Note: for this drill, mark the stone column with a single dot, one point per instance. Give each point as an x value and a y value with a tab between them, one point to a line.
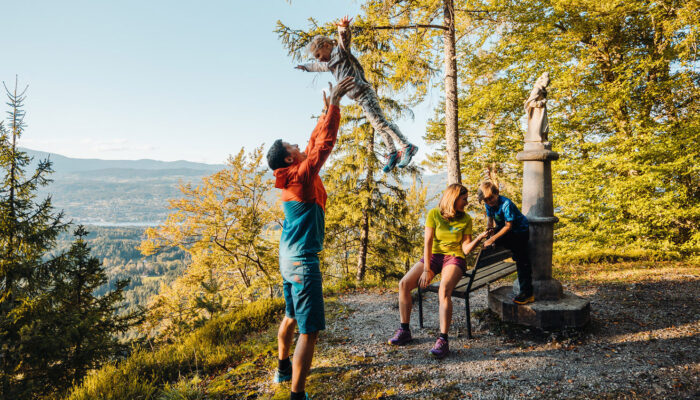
539	210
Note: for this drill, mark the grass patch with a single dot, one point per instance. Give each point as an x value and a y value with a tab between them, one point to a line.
220	343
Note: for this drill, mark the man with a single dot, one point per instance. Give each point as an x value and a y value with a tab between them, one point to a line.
304	202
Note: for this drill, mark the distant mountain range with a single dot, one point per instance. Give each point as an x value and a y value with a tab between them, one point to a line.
63	164
132	192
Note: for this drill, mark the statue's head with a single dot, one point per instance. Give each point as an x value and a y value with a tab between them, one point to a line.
543	80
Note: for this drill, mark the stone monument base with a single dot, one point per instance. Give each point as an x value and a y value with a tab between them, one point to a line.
570	311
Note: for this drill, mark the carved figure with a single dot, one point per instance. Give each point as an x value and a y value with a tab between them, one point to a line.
536	109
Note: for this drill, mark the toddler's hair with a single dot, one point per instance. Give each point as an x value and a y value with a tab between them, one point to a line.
486	189
319	41
448	200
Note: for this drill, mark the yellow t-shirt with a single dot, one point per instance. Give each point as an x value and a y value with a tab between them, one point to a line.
448	234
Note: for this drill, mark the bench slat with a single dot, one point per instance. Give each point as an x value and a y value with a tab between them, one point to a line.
478	283
492	269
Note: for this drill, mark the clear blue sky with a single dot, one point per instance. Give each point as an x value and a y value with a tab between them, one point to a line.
167	80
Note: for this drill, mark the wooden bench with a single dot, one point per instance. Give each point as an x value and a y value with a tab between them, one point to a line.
489	266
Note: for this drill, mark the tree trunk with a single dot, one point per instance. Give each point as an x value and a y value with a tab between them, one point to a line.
364	228
364	240
451	118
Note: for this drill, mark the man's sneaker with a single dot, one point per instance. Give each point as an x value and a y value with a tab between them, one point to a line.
401	337
283	375
408	152
441	348
524	298
392	159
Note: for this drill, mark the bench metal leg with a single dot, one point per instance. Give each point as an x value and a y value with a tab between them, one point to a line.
469	319
420	307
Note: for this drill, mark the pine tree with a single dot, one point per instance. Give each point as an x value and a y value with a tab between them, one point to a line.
83	327
28	231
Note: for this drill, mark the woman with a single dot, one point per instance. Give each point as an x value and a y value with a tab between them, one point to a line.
448	237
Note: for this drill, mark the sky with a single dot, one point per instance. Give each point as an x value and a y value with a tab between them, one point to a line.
167	80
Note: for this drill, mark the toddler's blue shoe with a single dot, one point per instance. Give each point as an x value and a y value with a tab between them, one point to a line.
283	375
393	158
408	152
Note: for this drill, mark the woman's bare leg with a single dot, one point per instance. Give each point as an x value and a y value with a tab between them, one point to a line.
408	283
451	274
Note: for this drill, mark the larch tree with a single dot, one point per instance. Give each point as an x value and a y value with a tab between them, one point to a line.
623	107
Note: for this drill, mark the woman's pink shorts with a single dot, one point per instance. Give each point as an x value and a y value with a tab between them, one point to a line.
438	261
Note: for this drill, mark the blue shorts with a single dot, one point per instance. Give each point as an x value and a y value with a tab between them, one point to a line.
303	292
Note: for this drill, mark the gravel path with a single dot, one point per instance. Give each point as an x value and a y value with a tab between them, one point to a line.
643	342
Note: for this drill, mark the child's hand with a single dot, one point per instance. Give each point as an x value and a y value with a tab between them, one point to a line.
489	242
301	67
345	21
482	235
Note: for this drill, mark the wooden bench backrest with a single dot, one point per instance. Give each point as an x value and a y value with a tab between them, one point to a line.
491	255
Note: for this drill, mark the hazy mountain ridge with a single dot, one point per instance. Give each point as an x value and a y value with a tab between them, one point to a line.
63	164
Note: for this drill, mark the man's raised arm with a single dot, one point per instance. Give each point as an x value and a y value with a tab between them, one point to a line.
326	131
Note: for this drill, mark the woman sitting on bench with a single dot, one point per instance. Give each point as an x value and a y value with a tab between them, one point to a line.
448	237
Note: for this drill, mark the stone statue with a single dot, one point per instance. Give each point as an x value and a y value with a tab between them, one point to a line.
536	109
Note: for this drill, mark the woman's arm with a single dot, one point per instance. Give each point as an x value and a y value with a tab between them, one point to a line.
428	274
468	244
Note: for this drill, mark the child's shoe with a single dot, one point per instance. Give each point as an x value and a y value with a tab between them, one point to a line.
401	337
393	158
441	348
283	375
524	298
408	152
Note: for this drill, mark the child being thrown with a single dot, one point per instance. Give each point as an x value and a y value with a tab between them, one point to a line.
335	56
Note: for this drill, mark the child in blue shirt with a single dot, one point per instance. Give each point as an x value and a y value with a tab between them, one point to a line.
512	231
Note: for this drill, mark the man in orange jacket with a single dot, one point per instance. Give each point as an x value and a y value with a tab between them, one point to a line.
304	203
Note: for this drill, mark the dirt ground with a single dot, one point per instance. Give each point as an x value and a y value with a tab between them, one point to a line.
643	342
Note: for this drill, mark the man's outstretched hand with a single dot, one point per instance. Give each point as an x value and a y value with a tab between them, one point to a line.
337	92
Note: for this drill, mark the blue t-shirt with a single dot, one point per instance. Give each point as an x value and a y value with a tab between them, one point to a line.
505	211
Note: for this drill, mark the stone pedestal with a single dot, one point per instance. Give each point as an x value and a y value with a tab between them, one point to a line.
569	311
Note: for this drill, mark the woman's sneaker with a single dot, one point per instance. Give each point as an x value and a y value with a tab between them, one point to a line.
392	159
401	337
408	152
441	348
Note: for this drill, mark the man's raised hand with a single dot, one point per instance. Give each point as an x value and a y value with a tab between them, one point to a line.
337	92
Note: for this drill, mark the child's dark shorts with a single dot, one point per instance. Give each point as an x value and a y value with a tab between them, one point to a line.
438	261
303	292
